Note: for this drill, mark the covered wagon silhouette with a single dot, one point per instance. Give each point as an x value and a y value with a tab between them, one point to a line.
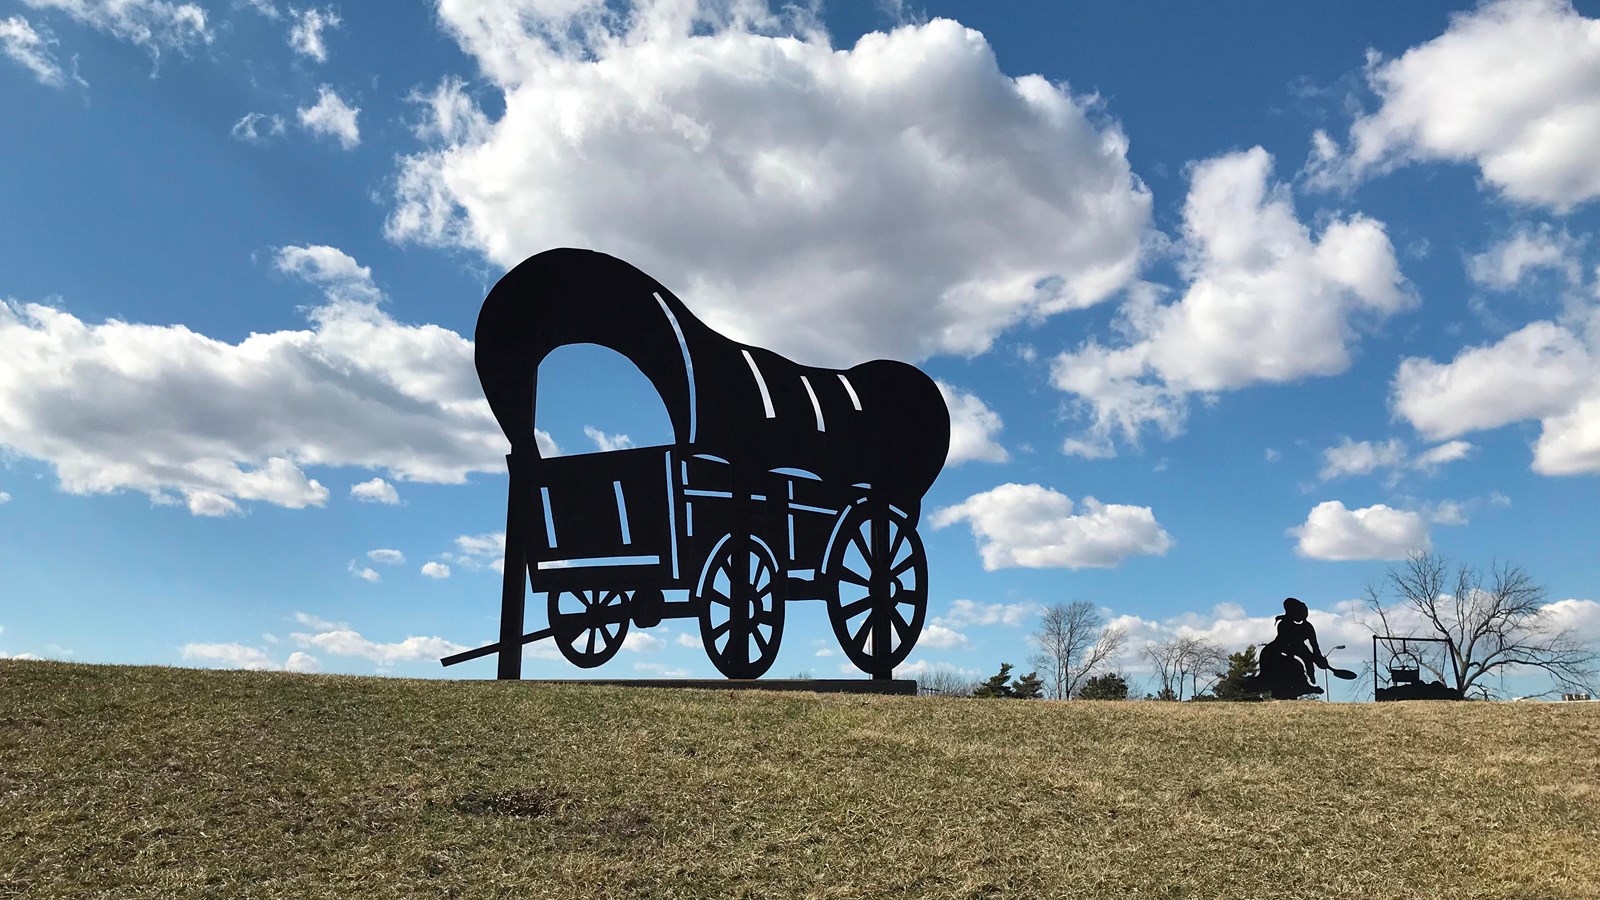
783	482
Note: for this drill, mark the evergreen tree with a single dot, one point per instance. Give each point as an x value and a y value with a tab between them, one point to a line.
1028	687
995	687
1235	685
1109	686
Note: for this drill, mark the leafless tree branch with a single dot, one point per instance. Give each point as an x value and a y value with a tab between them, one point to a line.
1073	642
1494	624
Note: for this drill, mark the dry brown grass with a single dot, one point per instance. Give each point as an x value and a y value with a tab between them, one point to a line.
146	782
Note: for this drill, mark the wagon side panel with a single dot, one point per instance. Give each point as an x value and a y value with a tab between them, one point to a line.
603	520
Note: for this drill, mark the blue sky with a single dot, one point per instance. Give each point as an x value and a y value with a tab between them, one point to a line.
1231	303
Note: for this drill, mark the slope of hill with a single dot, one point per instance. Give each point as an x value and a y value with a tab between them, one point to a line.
148	782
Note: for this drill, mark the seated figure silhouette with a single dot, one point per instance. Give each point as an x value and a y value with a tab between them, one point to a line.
1290	660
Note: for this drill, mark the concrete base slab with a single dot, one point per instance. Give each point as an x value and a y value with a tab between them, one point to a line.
896	686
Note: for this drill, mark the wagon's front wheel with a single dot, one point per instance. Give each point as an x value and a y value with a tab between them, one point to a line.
875	579
588	625
741	607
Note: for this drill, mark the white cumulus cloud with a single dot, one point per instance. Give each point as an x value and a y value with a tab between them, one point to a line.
364	573
1508	87
317	622
375	491
973	428
476	552
1031	526
964	612
1546	371
1579	618
302	662
255	128
941	637
186	418
662	670
387	557
238	656
332	117
1332	532
305	35
436	570
1265	302
345	642
336	271
902	197
242	656
1351	457
920	668
1361	457
155	25
640	642
607	442
1514	258
24	44
1447	452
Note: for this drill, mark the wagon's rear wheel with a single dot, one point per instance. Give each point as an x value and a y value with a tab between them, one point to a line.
588	626
741	607
876	582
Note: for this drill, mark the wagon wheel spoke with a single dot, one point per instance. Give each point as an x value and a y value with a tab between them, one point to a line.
853	609
891	577
863	638
588	624
862	542
743	587
743	642
901	626
895	543
851	575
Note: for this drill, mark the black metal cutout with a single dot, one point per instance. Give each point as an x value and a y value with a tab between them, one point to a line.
1289	662
783	482
1405	670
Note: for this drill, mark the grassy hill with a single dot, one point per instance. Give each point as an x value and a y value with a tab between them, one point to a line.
148	782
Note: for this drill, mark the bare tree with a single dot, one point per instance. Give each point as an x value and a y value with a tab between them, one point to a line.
944	683
1203	659
1164	657
1073	641
1183	661
1492	624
